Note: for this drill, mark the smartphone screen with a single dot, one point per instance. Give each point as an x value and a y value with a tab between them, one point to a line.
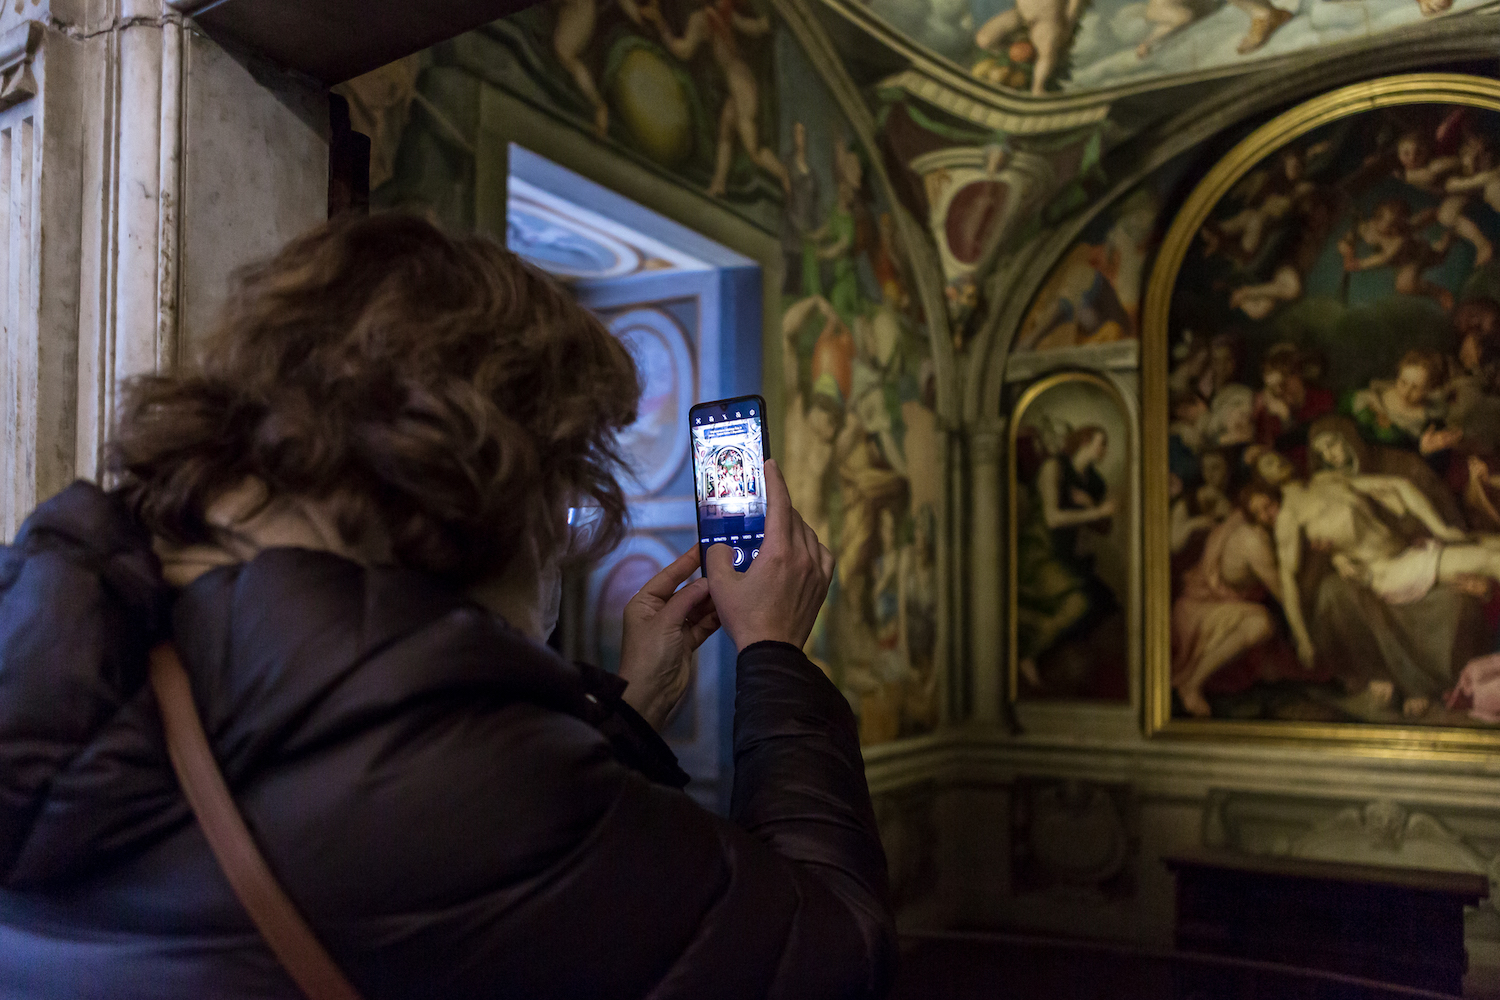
729	449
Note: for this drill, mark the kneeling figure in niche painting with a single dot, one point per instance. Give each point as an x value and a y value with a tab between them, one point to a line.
1058	594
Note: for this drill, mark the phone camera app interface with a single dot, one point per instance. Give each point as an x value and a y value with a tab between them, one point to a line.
728	457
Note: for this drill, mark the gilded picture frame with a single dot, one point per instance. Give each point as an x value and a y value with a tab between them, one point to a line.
1071	623
1367	113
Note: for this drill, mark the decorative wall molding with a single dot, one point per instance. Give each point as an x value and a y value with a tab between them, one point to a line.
17	51
1377	831
1073	837
967	99
1186	771
321	39
1122	355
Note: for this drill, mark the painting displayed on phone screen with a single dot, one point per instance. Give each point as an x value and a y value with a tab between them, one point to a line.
728	466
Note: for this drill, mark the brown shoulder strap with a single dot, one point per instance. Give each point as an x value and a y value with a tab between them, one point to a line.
288	935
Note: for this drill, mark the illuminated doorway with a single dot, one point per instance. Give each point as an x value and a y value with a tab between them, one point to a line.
689	309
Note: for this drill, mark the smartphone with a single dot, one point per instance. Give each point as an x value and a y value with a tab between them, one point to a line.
729	473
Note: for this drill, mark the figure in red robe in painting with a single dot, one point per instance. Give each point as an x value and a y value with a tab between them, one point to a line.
1287	405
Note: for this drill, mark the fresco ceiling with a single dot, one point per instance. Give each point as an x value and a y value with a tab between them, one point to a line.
1060	57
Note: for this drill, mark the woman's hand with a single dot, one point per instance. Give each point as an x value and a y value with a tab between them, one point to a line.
664	626
779	596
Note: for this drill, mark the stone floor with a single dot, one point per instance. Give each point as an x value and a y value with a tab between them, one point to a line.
991	967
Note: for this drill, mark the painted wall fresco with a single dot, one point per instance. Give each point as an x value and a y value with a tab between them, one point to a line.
1094	292
862	450
688	85
684	87
1072	561
1335	430
695	90
1047	46
980	189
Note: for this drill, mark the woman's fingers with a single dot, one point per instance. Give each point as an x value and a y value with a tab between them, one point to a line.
810	542
699	631
670	577
679	607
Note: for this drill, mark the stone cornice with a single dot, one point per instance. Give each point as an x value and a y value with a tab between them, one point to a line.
1182	769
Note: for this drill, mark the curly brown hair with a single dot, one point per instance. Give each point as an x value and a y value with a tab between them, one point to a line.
430	386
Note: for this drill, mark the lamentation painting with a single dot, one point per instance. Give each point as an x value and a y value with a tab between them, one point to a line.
1322	399
1070	530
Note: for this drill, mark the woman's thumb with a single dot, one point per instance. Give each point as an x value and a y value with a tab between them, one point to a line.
720	561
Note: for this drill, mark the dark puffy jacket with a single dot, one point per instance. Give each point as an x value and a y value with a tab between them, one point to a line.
434	791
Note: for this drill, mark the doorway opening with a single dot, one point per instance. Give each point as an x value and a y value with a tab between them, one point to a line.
689	310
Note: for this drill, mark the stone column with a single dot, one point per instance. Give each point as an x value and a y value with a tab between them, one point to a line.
40	151
987	562
140	163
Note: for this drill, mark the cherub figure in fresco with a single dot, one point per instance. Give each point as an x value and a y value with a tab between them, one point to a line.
1478	175
571	35
1393	231
719	23
1452	169
1168	17
1425	161
1268	197
1276	237
1049	23
1478	171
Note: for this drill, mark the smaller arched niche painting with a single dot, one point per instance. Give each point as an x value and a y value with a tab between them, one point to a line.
1070	541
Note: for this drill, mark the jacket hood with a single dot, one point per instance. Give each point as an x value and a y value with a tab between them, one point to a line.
286	653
